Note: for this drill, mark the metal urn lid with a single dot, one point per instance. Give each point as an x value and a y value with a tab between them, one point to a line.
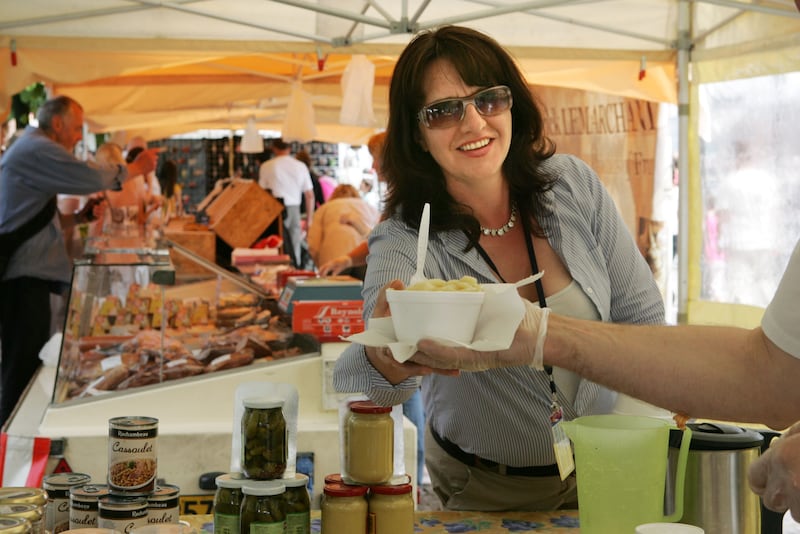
721	437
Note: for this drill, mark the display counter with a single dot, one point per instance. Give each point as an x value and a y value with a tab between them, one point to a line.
445	522
139	342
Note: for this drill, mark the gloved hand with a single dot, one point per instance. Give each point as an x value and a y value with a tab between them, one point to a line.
527	348
775	476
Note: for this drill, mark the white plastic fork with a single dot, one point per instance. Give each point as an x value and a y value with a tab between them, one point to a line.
422	245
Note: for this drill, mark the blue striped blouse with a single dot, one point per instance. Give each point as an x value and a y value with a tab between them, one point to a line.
503	414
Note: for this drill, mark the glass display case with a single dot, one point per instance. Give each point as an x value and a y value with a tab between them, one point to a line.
133	322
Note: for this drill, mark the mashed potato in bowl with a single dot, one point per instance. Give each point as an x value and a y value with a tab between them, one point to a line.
465	283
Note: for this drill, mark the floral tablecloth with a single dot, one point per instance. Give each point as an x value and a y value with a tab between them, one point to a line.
439	522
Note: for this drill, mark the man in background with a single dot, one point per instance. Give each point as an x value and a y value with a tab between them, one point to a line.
37	167
289	180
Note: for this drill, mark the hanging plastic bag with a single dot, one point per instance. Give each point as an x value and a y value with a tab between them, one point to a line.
299	124
358	81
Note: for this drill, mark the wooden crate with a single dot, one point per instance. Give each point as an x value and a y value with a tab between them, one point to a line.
201	242
241	213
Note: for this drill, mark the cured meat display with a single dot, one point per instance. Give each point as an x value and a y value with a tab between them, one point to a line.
148	338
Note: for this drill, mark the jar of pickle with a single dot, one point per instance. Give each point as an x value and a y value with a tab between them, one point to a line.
227	503
264	440
369	443
344	509
263	507
298	505
391	509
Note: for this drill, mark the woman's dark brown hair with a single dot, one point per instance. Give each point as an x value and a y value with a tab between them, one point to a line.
413	176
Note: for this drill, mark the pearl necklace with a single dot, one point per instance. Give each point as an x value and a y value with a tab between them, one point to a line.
497	232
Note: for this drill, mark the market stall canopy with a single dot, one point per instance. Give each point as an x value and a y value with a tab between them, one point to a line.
158	68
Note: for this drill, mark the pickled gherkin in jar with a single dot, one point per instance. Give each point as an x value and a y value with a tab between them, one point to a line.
298	505
264	441
263	508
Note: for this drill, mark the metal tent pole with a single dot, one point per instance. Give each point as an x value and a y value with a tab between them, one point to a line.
684	47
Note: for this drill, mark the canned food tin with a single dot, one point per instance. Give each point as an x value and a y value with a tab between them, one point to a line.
14	525
132	455
31	512
162	505
83	505
122	513
57	487
23	495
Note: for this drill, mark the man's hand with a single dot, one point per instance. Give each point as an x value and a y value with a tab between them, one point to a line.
525	349
775	476
144	163
91	211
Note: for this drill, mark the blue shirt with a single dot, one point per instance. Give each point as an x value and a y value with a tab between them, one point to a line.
503	414
32	171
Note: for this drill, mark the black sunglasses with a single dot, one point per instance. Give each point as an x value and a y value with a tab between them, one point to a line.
451	111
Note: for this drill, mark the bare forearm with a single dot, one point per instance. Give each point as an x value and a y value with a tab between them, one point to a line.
703	371
358	255
309	198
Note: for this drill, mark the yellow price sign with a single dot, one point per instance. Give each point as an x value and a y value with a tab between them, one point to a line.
196	504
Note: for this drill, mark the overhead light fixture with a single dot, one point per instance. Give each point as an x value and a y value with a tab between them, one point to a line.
252	142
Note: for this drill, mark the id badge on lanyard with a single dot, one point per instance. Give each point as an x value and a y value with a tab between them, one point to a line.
561	444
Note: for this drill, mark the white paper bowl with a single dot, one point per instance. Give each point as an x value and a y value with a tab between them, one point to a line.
446	315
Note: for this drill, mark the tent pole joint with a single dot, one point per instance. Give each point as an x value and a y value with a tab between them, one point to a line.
402	26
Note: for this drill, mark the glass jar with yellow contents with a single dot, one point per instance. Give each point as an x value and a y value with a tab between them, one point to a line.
369	443
344	509
391	509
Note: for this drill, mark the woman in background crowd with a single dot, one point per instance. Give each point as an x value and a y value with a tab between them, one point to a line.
171	191
339	225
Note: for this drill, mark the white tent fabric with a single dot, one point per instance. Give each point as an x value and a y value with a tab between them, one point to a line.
204	60
157	68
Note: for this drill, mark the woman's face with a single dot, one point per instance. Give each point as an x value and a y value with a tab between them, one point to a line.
471	152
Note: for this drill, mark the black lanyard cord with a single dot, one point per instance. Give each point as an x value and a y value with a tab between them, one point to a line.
539	287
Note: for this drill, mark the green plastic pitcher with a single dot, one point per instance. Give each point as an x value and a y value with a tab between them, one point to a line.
621	467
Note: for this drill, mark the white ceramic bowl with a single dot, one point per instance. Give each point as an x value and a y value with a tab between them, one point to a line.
447	315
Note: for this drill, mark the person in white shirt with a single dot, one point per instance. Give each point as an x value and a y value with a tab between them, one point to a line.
288	180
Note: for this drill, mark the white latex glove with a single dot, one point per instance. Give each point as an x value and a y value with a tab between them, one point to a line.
526	348
775	476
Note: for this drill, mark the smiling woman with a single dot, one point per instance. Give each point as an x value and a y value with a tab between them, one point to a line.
466	135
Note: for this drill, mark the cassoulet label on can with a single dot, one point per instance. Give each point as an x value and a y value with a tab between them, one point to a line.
132	454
